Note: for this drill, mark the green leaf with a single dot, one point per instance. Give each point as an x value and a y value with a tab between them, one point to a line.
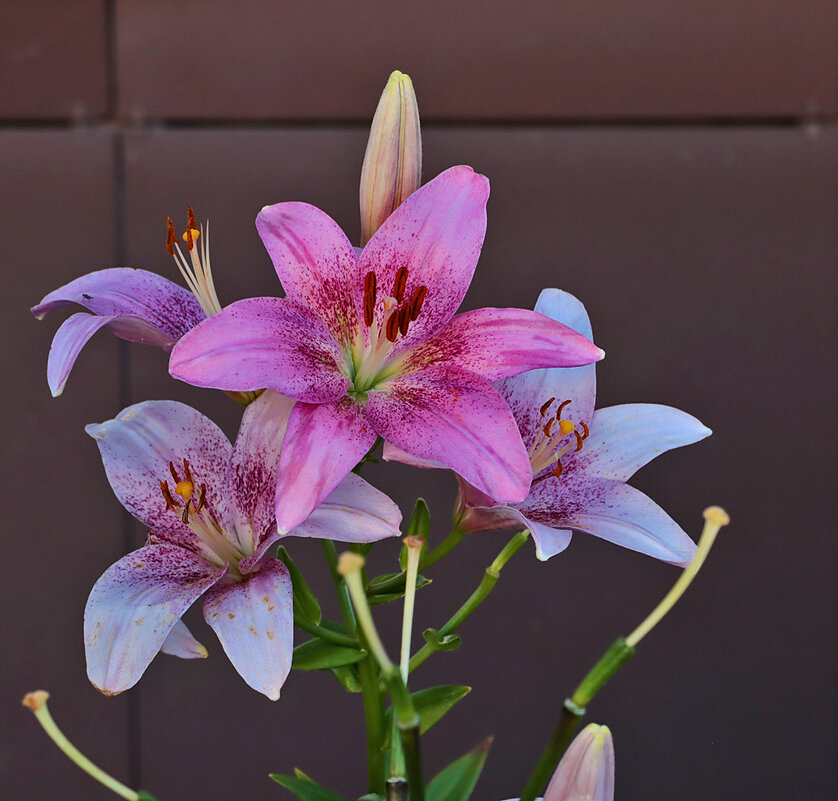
419	526
390	587
347	675
305	788
317	654
300	775
430	705
305	602
142	795
441	642
456	782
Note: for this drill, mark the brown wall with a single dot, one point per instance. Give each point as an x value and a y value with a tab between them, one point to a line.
675	165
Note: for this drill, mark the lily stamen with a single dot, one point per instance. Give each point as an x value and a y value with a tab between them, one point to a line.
196	270
546	448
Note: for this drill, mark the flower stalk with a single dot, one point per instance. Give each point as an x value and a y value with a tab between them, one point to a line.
487	583
614	658
37	702
349	566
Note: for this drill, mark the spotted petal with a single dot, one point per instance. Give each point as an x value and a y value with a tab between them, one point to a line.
624	438
437	234
455	418
254	620
498	343
137	447
180	642
133	609
263	342
611	510
125	291
315	262
526	393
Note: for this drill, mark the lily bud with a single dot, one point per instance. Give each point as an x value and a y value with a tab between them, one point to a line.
392	168
587	768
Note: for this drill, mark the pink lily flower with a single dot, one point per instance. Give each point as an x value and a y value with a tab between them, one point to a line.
208	506
581	459
136	305
369	345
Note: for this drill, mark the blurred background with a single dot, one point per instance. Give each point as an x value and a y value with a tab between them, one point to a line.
675	165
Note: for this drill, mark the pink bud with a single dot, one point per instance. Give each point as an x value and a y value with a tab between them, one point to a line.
586	772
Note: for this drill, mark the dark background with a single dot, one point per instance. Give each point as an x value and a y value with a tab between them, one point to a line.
673	164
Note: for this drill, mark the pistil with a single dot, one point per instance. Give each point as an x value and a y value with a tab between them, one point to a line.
547	449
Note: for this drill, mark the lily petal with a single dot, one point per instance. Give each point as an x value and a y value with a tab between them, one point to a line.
498	343
355	512
315	262
180	642
137	447
133	608
67	343
323	442
251	480
263	342
526	393
624	438
121	291
548	541
254	620
611	510
437	234
450	416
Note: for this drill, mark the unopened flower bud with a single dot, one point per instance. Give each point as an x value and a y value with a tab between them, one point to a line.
587	768
393	162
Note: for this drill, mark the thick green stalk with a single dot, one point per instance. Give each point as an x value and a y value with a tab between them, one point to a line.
368	676
490	578
572	713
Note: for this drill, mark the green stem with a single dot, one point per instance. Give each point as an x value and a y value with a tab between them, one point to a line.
454	538
368	676
490	578
326	634
572	713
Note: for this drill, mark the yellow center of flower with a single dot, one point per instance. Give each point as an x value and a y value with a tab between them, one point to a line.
553	440
216	547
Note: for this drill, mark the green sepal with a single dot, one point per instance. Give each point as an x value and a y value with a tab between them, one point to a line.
143	795
394	584
348	676
305	788
456	782
317	654
430	704
305	602
419	526
441	642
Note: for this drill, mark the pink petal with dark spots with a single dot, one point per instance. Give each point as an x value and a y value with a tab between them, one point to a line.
323	442
437	234
137	447
263	342
449	416
254	620
133	608
314	261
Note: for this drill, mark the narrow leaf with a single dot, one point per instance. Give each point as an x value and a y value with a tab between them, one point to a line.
430	704
305	602
347	675
390	587
317	654
305	788
456	782
419	526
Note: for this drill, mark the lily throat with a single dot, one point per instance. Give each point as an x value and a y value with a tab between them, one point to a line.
556	437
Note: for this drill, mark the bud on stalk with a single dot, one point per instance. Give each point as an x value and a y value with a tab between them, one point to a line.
587	768
392	168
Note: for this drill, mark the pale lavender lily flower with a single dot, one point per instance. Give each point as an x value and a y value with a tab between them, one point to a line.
370	345
581	459
208	506
136	305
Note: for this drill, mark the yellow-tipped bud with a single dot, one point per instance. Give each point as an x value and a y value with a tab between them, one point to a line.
587	768
393	162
